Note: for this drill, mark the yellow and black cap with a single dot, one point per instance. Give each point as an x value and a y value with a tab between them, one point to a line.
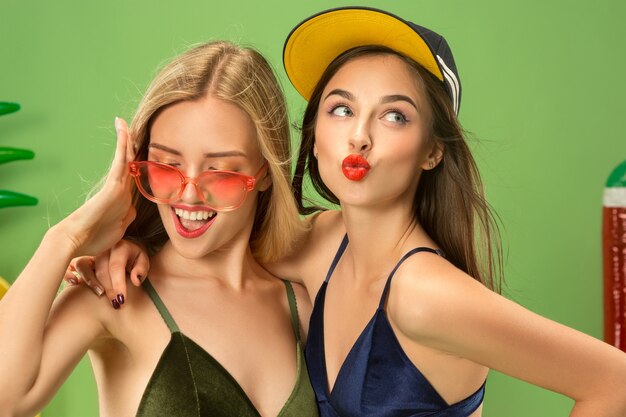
317	41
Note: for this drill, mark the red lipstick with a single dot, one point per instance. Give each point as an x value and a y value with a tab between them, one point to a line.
191	234
355	167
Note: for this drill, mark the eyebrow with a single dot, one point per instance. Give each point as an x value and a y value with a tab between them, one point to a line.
222	154
399	97
386	99
339	92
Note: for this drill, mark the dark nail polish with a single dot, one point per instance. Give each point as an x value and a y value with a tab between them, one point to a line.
115	304
120	298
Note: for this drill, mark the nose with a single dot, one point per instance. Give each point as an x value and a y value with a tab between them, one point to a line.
191	192
360	141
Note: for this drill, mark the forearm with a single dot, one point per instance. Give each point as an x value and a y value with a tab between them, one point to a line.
23	314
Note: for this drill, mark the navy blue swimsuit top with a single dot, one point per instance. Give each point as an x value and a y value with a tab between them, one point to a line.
377	379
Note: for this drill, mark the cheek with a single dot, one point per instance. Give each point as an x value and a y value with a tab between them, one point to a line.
403	161
166	214
327	136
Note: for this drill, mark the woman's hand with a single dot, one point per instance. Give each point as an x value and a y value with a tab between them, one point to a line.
107	272
102	220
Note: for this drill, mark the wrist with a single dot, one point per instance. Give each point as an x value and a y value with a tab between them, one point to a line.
58	237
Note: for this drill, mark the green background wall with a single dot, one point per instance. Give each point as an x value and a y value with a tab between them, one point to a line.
543	99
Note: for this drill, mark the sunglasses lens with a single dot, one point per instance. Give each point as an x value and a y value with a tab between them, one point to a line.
160	181
223	190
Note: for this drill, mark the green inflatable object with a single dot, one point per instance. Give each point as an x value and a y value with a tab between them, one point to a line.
11	199
15	154
6	107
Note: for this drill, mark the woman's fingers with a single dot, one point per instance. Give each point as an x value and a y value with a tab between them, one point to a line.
72	277
81	270
130	146
140	268
116	269
109	271
103	272
118	174
126	257
119	168
102	220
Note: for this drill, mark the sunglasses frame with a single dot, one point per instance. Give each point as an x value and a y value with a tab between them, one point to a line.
248	181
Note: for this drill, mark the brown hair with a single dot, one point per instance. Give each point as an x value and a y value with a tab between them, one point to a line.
449	203
242	76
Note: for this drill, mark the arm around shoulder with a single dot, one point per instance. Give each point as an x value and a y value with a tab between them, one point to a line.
310	252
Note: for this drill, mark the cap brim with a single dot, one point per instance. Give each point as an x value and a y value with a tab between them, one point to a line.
317	41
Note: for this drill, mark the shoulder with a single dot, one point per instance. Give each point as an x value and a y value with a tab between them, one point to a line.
430	298
313	253
329	219
327	232
325	226
79	303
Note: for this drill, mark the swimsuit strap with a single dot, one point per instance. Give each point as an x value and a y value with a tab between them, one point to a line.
293	308
413	251
158	303
342	248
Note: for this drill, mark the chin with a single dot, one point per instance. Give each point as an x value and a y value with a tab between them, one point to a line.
190	249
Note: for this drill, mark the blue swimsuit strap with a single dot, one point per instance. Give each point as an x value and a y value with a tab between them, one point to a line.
383	297
342	248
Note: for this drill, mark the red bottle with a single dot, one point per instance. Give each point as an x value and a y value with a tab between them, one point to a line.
614	257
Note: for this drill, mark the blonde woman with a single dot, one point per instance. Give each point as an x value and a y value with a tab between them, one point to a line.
210	332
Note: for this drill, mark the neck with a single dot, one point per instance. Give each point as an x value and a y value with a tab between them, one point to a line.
231	265
379	237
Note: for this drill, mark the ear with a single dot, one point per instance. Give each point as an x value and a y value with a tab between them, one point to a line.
315	150
265	181
434	156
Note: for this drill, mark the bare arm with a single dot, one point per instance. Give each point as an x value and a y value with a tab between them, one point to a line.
309	262
449	311
37	347
306	265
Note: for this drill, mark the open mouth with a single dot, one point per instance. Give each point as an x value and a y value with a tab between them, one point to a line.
192	223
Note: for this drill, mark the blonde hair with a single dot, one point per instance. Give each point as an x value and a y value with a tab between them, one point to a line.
242	76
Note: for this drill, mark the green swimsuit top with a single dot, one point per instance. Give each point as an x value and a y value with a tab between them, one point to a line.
188	381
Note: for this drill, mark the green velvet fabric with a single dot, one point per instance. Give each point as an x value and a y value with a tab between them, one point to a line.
188	381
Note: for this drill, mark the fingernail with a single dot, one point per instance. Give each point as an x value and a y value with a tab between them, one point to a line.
99	290
115	304
76	274
72	281
120	298
117	124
